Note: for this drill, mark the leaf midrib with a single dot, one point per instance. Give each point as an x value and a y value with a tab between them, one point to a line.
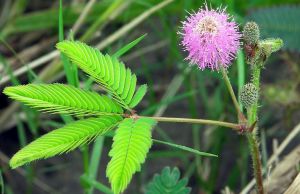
127	150
85	110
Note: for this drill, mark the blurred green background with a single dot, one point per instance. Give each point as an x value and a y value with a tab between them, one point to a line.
29	31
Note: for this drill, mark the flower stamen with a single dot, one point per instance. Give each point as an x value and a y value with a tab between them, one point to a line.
208	25
211	38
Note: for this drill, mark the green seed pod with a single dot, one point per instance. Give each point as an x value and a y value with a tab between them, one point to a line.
251	33
249	95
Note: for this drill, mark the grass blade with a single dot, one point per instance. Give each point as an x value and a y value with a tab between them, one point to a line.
94	161
188	149
241	73
70	69
92	183
127	47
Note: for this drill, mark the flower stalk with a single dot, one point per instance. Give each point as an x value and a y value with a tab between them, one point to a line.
252	111
196	121
233	97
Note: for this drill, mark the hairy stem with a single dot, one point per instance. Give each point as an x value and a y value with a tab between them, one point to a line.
252	135
233	97
256	162
252	112
195	121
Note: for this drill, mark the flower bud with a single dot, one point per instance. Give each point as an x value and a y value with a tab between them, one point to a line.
249	95
251	33
271	45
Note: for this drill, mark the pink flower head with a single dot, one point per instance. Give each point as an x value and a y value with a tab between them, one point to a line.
211	38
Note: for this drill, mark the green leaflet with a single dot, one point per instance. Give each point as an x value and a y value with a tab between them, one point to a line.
64	139
140	93
132	142
111	74
168	183
60	98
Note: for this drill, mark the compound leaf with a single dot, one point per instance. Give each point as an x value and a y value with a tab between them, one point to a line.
64	139
168	183
132	142
107	71
63	99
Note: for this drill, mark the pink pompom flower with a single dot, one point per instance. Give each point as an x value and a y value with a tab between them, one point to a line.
211	38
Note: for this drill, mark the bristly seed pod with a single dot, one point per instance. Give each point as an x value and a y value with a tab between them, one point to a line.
249	95
251	33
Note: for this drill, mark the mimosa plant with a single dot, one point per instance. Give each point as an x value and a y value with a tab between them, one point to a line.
210	37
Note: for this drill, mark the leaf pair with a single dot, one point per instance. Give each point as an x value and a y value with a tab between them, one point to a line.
132	142
133	136
107	71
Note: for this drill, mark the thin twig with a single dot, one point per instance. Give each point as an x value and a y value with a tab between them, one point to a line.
4	13
122	31
145	50
115	8
31	65
171	91
86	10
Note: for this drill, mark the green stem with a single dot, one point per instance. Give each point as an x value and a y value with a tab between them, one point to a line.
85	157
69	68
252	113
95	160
256	162
233	97
195	121
252	135
241	73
